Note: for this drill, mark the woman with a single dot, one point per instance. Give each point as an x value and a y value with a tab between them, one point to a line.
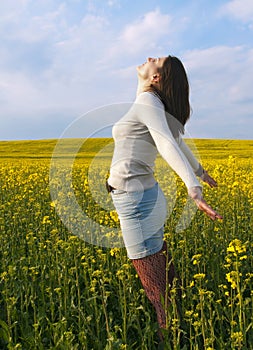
153	124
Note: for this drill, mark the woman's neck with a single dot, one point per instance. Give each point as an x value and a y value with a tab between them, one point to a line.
140	88
144	85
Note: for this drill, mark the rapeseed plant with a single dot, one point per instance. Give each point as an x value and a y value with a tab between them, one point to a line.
58	291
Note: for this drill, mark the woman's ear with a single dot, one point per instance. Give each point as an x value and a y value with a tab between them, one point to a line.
156	78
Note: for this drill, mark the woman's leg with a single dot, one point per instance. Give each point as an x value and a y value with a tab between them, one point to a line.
154	277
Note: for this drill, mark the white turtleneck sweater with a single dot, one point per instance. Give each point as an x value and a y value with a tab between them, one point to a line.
139	135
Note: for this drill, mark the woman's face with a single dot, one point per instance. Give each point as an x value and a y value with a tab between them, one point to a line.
150	67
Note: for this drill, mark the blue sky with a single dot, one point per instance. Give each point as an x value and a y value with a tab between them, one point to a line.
61	59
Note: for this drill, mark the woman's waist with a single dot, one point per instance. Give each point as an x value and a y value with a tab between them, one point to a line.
137	182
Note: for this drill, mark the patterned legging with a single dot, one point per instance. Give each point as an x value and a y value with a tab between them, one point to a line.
152	273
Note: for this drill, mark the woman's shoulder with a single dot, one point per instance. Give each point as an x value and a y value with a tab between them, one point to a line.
149	98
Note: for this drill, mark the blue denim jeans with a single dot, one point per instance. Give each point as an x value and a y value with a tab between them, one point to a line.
142	215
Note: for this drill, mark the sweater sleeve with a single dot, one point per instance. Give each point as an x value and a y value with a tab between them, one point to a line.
196	166
150	112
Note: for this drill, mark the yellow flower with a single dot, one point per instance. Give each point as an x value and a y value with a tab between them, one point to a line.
196	259
244	257
120	274
197	256
236	247
237	338
73	238
46	220
53	204
191	284
97	273
232	278
199	276
114	216
114	251
3	275
188	313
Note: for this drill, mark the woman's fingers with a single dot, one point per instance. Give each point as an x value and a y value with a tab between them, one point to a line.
203	206
211	182
208	179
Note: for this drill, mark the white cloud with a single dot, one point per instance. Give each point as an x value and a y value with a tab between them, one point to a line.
113	3
146	30
222	70
71	50
143	35
221	84
85	52
88	63
239	9
19	92
46	26
75	60
20	22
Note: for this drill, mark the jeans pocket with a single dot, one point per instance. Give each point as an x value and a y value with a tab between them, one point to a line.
115	192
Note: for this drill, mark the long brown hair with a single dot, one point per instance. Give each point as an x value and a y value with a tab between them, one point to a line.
174	92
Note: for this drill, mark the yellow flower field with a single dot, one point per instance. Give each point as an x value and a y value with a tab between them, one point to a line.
60	291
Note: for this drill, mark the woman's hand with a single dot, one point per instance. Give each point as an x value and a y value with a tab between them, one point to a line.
208	179
209	211
196	194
